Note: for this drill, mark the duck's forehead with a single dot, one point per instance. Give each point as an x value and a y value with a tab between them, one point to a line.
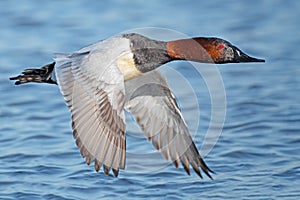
223	42
217	43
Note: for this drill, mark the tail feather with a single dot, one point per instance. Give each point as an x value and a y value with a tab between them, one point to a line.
42	75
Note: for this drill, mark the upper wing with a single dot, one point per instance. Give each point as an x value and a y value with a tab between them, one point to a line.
150	100
95	95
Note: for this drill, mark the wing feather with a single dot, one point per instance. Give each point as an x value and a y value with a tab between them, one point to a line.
96	105
150	100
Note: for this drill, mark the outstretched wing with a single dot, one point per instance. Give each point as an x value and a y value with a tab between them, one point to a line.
95	95
150	100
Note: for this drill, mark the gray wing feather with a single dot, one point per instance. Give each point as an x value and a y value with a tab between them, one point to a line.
96	103
150	100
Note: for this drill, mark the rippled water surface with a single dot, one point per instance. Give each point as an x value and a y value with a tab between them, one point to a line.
257	155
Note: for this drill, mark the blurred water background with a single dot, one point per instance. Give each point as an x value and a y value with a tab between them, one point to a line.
256	157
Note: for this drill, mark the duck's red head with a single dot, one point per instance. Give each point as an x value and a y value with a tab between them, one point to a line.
207	50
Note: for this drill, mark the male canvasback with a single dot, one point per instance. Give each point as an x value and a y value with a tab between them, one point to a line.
101	80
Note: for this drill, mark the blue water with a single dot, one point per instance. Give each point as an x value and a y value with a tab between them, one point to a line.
257	155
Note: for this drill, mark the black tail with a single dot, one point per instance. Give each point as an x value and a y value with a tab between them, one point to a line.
42	75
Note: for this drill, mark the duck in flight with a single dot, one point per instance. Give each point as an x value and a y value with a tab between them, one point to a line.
101	80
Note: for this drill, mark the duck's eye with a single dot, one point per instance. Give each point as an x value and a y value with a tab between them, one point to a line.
220	46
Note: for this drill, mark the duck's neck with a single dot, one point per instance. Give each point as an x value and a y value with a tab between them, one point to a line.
150	54
193	49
